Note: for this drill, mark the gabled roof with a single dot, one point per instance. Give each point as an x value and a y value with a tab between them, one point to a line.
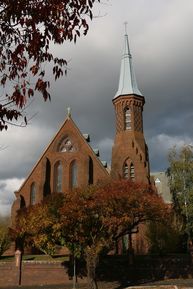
80	135
127	79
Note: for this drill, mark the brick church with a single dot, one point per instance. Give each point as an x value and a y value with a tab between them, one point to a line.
69	161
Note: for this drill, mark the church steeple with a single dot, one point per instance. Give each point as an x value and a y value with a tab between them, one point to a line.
127	80
129	152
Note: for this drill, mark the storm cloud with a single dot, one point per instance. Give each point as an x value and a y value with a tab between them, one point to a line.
161	43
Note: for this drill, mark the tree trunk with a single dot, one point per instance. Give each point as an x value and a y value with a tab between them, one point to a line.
91	263
130	251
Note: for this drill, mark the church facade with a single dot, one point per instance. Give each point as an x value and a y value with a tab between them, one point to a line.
69	161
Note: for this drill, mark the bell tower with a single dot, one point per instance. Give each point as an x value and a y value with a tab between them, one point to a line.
129	152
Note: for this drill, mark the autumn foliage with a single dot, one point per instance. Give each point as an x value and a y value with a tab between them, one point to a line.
106	212
27	29
37	225
96	217
5	240
87	220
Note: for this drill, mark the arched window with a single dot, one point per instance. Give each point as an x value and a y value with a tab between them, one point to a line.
66	145
58	171
128	170
73	174
90	172
46	188
127	118
33	194
132	172
125	171
22	202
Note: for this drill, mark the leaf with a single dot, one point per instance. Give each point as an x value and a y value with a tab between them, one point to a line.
25	46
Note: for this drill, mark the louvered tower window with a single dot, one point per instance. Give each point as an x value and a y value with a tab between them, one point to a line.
132	172
125	171
127	119
58	171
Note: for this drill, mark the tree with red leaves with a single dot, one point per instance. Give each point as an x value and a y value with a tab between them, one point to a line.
96	217
88	220
27	28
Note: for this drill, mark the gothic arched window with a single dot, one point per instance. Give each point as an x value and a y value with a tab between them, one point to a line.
22	202
125	171
127	118
47	172
33	194
58	171
128	170
66	145
132	172
90	172
73	174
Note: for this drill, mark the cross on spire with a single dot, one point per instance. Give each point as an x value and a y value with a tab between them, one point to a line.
125	24
69	111
127	79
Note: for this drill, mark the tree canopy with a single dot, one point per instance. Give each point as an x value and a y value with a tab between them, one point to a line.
96	217
180	174
5	240
113	209
87	220
27	29
37	225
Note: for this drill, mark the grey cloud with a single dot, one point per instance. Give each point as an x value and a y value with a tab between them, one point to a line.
7	188
6	202
2	186
24	146
161	42
160	145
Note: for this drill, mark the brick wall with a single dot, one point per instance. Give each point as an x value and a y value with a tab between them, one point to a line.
8	274
111	268
35	273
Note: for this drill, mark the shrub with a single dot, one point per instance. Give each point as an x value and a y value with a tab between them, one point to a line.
4	235
163	239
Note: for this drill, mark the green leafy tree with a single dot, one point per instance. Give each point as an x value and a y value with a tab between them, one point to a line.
164	237
5	240
180	173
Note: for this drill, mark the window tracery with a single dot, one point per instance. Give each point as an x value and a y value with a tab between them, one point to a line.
128	170
66	145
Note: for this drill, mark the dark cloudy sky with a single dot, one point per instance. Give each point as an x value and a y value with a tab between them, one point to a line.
161	42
